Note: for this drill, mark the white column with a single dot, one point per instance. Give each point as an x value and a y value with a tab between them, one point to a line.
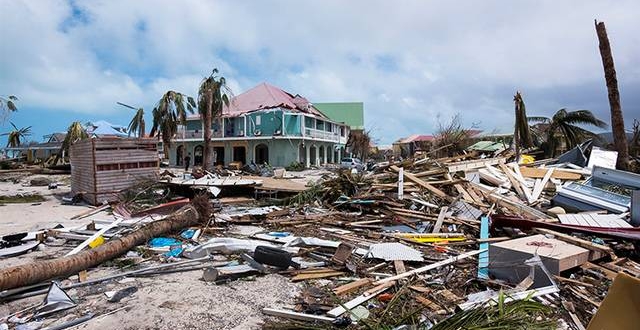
307	159
339	155
324	154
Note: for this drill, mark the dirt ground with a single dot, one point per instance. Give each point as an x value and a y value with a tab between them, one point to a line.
167	301
16	218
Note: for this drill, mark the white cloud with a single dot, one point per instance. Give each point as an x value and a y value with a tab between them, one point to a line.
439	58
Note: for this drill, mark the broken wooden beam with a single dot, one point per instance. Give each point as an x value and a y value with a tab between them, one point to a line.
296	315
421	182
429	267
352	286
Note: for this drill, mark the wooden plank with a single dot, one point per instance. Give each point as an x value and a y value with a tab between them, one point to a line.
429	267
94	236
349	287
296	315
399	266
420	182
302	277
465	195
441	216
539	173
514	182
537	189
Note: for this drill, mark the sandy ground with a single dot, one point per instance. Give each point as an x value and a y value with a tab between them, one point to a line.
167	301
31	217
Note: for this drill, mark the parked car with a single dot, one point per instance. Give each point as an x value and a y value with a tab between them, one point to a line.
352	163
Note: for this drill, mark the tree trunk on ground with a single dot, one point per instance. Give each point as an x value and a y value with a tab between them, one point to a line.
44	270
207	132
617	120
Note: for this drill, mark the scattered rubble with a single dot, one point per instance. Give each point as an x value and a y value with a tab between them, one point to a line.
421	243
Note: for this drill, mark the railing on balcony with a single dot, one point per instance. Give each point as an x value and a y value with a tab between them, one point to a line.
323	135
195	134
188	134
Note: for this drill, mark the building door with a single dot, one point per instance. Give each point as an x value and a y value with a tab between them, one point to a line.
198	155
262	154
218	157
240	155
179	155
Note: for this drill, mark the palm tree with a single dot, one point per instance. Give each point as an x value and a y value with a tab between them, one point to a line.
562	127
137	122
522	133
75	133
212	96
16	136
617	120
168	113
7	105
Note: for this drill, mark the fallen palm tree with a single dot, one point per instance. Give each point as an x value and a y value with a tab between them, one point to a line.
36	272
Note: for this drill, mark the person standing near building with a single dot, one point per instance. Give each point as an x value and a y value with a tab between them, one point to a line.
187	160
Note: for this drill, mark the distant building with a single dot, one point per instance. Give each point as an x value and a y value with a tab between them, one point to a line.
264	125
350	113
408	146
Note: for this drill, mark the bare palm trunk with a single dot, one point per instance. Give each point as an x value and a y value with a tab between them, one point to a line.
44	270
617	121
141	131
207	131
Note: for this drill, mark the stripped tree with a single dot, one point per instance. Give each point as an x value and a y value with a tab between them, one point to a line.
522	132
16	136
212	97
617	120
359	142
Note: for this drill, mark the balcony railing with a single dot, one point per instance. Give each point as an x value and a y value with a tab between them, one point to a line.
195	134
322	135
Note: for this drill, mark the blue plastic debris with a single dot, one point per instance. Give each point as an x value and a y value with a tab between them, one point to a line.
163	241
279	233
175	252
188	233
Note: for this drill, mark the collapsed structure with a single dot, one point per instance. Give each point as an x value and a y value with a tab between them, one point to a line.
439	243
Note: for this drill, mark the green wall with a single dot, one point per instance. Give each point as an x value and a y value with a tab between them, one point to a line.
292	125
268	123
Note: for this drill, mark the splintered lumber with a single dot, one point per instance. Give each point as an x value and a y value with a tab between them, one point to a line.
308	276
430	305
349	287
539	173
296	316
399	266
429	267
90	212
513	180
421	182
438	225
537	189
44	270
94	237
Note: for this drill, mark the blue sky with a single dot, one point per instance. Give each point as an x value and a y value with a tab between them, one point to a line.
412	63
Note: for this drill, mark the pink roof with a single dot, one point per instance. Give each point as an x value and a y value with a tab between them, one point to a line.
266	96
417	138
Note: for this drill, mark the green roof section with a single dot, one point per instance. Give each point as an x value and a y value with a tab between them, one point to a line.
350	113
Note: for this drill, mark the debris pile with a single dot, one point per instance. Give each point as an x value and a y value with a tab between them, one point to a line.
448	243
